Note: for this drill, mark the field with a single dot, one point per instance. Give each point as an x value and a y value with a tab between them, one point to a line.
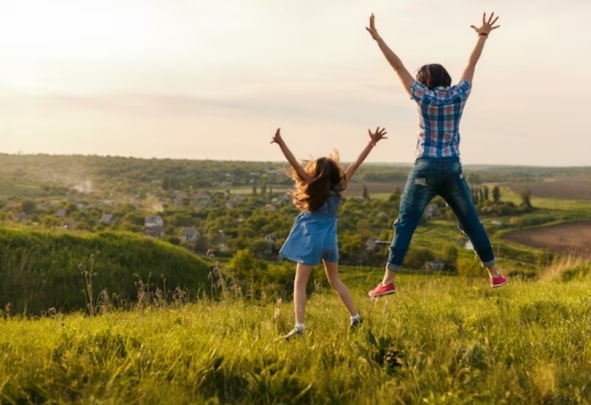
564	188
443	338
570	238
373	188
565	194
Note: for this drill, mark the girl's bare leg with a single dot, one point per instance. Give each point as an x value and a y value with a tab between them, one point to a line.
332	274
302	276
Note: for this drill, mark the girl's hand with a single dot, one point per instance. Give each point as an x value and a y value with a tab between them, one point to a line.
377	135
372	28
487	24
277	137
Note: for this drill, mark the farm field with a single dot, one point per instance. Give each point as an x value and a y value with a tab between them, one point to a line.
566	188
374	188
570	238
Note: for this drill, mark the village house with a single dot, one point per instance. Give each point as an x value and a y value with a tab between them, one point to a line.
189	234
431	211
107	219
435	265
154	226
271	238
60	213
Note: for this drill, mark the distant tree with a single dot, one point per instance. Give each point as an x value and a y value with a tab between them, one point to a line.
28	206
260	247
486	193
245	266
473	178
496	194
450	256
364	192
395	196
166	183
475	196
417	257
525	196
172	239
71	207
363	228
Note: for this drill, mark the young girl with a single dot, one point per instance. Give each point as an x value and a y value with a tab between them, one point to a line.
437	169
313	236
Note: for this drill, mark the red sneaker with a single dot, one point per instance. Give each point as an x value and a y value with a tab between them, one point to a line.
382	289
498	281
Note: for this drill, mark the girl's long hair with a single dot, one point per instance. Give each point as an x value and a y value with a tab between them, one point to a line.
327	175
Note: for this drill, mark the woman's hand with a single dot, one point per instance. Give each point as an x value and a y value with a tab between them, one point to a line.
277	137
487	25
372	28
377	135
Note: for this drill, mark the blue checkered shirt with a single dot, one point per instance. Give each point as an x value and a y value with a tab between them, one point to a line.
440	110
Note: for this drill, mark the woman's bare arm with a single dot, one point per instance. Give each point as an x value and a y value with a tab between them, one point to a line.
483	31
391	57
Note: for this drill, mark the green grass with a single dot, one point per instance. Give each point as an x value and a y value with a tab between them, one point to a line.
548	203
43	269
439	340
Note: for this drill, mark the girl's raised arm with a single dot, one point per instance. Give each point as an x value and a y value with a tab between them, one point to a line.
375	137
483	31
302	174
391	57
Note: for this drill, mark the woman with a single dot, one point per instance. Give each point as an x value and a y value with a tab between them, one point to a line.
437	169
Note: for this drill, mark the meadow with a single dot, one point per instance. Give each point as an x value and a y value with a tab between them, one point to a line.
444	338
441	339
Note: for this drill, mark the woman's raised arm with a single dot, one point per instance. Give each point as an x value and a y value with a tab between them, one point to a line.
391	57
488	24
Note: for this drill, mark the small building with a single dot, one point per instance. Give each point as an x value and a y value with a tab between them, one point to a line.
189	234
107	219
435	265
154	226
431	211
61	213
271	238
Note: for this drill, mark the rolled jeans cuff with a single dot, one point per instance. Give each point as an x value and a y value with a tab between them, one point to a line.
489	263
392	267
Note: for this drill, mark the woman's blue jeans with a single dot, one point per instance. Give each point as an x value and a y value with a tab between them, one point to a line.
430	177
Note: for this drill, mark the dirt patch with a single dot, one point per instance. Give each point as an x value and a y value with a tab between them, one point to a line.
572	238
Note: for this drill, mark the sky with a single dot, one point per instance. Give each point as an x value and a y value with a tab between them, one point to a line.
212	79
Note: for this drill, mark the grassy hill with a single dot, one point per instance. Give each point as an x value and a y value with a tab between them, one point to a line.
61	270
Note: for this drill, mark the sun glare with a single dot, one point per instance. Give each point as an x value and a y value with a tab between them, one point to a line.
41	37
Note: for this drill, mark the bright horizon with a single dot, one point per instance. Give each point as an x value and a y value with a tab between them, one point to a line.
213	80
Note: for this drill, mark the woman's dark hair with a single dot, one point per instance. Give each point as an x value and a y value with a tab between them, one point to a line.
327	176
433	75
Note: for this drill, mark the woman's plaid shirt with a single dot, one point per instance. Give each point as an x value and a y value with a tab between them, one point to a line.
440	110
